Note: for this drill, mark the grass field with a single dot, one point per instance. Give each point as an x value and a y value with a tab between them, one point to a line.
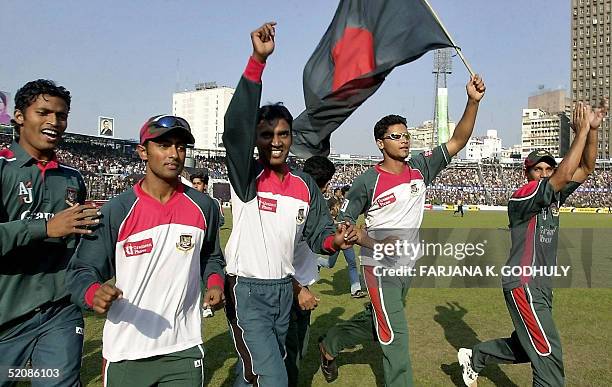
441	320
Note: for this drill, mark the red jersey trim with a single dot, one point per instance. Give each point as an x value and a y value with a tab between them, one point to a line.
328	244
90	292
387	180
292	186
6	153
254	70
527	190
214	280
148	213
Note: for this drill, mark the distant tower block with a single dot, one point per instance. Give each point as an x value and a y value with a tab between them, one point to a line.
443	65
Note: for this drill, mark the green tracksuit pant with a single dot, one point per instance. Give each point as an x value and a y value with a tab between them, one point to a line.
385	320
535	338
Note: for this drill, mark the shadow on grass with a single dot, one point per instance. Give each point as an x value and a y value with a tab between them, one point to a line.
91	368
339	284
370	354
217	351
460	335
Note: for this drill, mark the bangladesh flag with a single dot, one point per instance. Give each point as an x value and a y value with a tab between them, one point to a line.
364	42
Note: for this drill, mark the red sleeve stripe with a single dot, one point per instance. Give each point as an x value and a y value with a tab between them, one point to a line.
383	326
253	70
536	333
528	257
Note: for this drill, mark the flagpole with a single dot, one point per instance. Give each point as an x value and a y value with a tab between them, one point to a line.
457	49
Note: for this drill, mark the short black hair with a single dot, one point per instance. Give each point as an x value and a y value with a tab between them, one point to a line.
31	90
199	175
321	169
383	124
273	112
345	189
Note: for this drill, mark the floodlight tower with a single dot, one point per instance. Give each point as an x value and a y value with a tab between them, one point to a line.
443	65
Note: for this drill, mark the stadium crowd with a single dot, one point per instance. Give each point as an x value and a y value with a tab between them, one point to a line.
109	171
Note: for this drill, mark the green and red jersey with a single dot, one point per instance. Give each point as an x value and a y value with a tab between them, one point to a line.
533	212
33	266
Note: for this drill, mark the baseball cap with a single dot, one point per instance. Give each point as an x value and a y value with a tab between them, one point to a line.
540	155
160	125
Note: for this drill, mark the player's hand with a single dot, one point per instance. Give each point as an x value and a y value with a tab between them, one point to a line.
599	113
104	297
581	118
73	220
306	299
263	41
346	236
214	298
475	88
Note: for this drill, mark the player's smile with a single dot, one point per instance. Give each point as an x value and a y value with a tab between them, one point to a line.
273	142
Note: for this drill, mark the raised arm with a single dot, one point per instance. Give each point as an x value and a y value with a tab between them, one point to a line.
589	154
566	169
475	91
241	116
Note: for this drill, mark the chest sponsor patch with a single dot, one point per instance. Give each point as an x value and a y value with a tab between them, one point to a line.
386	200
138	248
266	204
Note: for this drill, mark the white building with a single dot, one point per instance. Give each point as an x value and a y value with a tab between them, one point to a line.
507	153
542	130
486	147
422	137
204	109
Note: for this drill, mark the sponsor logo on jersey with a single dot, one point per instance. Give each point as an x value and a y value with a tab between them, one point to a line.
138	248
266	204
344	205
197	363
386	200
79	331
185	242
71	196
299	219
25	192
35	215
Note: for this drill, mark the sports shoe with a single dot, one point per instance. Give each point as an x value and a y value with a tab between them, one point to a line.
358	294
465	361
329	369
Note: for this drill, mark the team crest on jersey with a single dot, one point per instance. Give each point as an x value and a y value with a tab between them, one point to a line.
299	219
554	209
25	192
71	196
427	153
414	189
185	242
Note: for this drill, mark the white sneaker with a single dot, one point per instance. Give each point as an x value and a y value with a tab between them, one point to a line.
465	361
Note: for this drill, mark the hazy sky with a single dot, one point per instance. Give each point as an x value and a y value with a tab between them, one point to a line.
124	59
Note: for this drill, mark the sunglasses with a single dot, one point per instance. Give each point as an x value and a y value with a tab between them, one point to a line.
170	122
397	136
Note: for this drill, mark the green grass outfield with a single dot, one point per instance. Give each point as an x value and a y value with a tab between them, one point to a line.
440	320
